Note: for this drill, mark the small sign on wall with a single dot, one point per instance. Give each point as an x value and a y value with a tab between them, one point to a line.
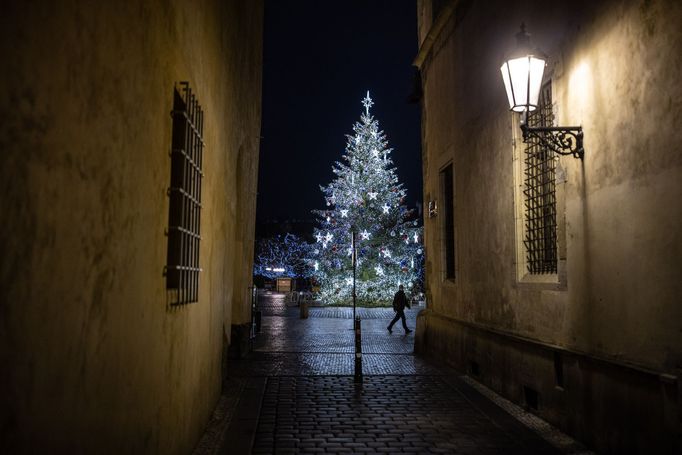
433	209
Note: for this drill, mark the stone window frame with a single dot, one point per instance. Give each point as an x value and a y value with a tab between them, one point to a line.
522	276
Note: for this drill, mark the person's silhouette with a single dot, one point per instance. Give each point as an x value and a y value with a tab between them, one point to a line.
399	304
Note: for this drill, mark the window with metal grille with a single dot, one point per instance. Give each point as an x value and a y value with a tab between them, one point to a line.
540	194
448	223
184	221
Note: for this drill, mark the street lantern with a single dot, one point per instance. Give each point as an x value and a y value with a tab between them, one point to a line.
522	74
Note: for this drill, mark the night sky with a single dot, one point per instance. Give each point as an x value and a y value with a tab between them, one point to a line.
320	58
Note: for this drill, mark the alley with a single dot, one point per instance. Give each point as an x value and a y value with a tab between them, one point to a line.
298	393
517	164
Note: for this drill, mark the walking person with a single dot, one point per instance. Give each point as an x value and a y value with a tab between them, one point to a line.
399	304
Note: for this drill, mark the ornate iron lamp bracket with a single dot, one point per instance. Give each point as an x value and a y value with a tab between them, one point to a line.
564	140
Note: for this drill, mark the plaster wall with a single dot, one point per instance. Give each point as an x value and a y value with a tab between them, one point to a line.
94	360
614	70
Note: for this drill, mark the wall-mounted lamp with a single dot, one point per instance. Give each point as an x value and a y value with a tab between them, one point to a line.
522	74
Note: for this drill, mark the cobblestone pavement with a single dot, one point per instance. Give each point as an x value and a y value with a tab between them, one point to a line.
301	397
388	414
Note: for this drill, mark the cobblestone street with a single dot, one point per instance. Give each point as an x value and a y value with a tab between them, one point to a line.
297	394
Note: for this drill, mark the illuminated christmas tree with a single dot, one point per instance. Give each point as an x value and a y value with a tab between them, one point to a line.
366	197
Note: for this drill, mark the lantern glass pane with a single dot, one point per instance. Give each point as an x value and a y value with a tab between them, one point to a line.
536	69
507	84
518	68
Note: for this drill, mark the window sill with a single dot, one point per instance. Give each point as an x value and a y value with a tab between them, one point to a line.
543	278
448	282
550	281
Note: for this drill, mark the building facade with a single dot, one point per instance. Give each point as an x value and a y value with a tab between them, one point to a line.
551	279
129	137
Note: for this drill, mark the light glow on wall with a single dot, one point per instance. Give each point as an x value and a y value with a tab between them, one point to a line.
581	87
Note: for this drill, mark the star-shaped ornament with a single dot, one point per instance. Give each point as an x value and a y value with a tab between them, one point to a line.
367	102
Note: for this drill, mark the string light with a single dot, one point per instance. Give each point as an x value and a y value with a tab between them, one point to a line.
286	255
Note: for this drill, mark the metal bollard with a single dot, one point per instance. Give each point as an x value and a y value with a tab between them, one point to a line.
258	316
358	351
303	305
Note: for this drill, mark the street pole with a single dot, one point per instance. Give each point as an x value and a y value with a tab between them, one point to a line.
354	259
357	328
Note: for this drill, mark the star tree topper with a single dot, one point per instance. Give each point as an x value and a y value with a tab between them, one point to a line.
367	102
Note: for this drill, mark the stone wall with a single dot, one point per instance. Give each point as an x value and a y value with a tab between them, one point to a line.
614	304
94	359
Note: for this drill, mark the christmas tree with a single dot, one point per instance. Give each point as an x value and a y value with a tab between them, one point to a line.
367	198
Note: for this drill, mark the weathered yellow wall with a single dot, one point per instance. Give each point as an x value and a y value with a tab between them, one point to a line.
615	71
93	358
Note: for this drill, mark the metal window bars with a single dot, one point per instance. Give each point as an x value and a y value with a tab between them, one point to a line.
184	220
540	193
